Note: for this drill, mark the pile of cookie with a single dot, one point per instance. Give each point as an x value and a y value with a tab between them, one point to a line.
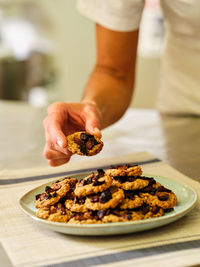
119	194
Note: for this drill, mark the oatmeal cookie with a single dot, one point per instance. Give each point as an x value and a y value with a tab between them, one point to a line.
131	200
84	144
122	216
144	212
55	213
161	197
55	192
76	204
88	217
93	184
107	199
152	212
124	170
132	182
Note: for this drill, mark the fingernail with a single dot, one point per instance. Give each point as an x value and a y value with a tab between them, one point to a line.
97	131
59	142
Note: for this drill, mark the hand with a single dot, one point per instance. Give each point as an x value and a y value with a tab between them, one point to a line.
64	119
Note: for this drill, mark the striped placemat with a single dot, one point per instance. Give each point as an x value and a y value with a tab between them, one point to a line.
26	243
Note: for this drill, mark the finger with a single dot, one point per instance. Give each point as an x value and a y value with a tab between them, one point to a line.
57	162
52	154
92	124
52	150
53	131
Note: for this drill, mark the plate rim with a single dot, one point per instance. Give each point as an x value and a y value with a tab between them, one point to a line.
180	214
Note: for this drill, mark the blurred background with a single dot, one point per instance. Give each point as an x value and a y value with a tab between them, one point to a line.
47	50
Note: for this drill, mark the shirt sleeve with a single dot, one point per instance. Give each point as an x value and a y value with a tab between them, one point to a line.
117	15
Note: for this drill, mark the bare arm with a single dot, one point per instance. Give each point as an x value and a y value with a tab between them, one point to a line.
110	85
105	99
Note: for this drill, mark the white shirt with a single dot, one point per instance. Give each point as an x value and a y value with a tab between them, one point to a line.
180	75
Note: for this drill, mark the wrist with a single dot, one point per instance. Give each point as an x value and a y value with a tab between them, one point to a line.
92	103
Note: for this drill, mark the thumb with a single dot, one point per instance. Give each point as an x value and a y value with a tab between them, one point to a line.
92	122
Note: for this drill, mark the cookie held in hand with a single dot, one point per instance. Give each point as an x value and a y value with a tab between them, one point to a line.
84	144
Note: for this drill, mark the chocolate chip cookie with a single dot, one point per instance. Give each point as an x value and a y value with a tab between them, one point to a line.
132	182
107	199
76	204
161	197
55	192
120	194
88	217
93	184
122	216
131	200
55	213
124	170
84	144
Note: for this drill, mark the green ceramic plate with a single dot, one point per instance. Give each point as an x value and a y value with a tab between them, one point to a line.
187	199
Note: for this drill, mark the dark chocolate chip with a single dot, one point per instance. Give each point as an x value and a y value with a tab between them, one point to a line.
148	189
48	189
131	178
155	209
163	189
82	182
163	196
101	213
54	194
105	196
94	141
48	196
145	209
83	148
89	180
97	182
94	198
81	201
89	144
169	210
127	216
84	137
37	196
100	172
121	179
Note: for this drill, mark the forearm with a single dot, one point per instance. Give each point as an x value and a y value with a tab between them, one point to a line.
111	90
110	85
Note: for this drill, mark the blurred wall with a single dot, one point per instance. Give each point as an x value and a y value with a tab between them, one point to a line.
74	36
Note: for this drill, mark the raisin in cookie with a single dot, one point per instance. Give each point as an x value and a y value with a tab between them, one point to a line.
84	144
93	184
107	199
